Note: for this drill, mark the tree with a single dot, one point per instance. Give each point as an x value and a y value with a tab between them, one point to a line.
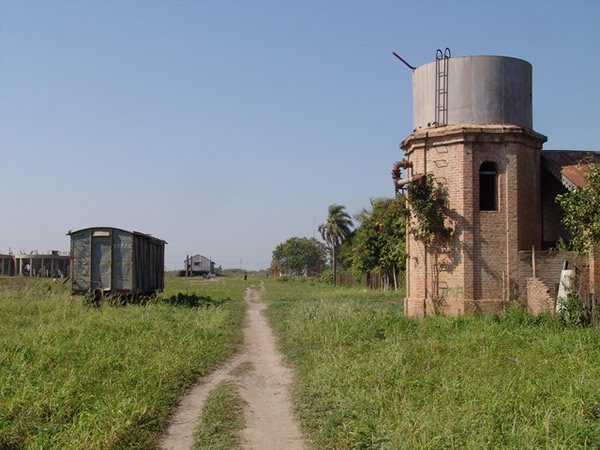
344	254
379	241
428	207
582	211
335	230
429	211
300	256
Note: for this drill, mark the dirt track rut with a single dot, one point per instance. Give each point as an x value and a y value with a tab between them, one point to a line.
264	384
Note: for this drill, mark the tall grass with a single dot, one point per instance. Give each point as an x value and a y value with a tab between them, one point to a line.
369	378
74	376
222	419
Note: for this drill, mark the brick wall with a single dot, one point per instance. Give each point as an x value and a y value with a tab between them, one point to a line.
594	273
539	297
548	265
483	259
548	268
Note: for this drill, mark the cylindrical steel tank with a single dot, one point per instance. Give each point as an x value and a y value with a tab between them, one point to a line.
481	90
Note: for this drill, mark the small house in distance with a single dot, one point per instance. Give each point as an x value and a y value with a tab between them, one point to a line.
110	260
198	265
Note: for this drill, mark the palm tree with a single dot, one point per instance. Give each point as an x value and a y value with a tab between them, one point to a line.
335	230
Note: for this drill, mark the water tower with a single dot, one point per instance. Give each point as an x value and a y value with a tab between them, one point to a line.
472	120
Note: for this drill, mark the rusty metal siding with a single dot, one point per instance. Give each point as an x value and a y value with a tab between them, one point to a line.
81	263
149	263
122	263
101	262
116	261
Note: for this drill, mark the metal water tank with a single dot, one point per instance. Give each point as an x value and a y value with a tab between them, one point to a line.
479	90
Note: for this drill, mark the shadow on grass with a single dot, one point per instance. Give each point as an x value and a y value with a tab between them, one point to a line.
193	300
179	299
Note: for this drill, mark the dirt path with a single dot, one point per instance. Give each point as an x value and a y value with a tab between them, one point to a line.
264	384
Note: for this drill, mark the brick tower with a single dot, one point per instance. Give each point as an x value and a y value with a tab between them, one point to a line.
473	132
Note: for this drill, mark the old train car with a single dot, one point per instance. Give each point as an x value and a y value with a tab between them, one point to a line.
114	261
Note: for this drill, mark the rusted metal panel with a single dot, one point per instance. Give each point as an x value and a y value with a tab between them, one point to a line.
122	262
149	263
81	245
101	261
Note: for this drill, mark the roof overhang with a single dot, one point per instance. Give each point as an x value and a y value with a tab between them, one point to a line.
570	167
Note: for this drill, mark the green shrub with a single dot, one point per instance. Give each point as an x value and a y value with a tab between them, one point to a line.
573	312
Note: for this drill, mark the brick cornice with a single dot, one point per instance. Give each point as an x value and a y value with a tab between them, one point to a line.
452	134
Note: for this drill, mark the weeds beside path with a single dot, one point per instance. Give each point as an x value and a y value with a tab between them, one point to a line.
367	377
263	382
74	377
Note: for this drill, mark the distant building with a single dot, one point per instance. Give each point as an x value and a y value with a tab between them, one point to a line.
198	265
54	264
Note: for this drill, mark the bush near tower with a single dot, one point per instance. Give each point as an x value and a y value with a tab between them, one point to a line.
582	212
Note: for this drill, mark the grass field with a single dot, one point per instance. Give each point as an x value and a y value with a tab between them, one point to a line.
369	378
74	376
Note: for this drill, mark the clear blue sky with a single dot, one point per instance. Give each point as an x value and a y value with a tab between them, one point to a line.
226	127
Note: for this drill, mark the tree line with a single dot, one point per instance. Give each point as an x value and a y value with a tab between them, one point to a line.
371	241
374	239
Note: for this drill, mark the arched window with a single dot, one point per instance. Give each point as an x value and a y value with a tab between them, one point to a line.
488	192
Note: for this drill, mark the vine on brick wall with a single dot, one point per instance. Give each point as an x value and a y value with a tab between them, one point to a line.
428	205
428	208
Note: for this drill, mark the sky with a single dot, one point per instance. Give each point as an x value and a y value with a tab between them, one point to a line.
227	127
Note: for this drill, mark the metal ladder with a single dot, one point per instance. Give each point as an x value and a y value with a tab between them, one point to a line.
441	87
